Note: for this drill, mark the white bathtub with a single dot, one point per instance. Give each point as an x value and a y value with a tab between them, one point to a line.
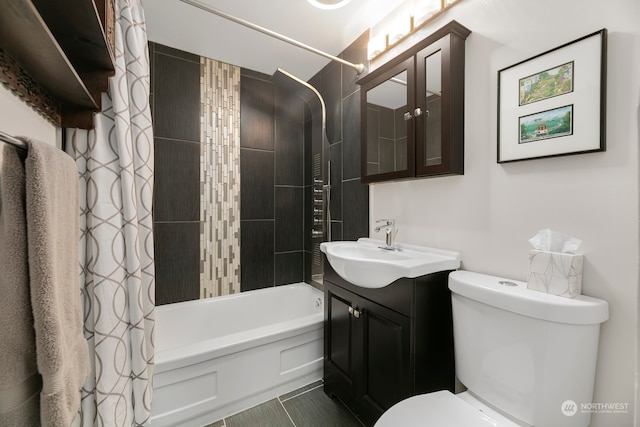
218	356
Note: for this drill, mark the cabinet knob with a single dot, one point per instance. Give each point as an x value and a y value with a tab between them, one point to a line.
354	312
407	116
417	112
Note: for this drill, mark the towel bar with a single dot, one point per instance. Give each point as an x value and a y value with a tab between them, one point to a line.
13	141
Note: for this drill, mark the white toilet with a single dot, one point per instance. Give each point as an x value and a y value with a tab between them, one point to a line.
527	358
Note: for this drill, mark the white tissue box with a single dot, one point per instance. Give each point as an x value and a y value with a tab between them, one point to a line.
555	273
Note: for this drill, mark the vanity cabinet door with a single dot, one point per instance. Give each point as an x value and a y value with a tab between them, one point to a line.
386	369
367	353
340	360
387	127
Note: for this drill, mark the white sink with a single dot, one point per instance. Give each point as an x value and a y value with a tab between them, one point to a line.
364	263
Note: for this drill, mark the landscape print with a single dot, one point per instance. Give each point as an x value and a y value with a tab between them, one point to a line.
546	124
546	84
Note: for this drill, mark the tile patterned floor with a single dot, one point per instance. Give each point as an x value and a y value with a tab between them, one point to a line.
308	406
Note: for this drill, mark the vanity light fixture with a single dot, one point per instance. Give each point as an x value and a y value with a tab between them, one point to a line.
376	45
399	29
329	4
402	22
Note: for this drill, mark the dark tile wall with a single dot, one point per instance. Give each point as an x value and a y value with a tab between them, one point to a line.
257	111
175	103
257	171
272	164
276	136
349	198
257	256
272	183
176	191
177	254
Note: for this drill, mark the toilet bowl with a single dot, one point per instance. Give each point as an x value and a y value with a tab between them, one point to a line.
443	409
505	337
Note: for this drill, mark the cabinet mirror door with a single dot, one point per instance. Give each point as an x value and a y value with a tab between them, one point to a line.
433	110
432	151
440	95
388	125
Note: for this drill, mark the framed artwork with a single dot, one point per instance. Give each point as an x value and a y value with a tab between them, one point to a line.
554	103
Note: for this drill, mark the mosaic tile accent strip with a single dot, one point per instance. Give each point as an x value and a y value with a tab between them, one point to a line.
219	179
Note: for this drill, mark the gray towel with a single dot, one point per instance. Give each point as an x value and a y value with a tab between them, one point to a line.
52	230
20	381
51	195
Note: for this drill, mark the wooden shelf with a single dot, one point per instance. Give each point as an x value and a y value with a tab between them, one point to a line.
61	45
79	31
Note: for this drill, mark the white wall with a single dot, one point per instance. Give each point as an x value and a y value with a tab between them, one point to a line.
489	213
17	118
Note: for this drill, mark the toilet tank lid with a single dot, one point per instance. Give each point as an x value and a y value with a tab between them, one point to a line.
580	310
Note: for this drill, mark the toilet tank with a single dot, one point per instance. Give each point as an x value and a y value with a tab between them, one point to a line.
529	354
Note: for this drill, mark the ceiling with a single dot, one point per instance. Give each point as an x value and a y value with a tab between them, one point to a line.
182	26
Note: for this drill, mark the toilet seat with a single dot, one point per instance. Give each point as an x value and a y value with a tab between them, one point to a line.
440	409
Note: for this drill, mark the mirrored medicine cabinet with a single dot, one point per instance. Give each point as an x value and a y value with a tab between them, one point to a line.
412	110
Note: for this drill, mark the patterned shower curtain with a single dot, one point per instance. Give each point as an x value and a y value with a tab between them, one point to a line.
115	165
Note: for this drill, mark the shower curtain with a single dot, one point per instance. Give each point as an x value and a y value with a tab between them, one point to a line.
115	165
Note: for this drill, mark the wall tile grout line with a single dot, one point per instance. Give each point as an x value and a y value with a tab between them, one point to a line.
177	222
260	150
168	138
351	179
193	61
291	186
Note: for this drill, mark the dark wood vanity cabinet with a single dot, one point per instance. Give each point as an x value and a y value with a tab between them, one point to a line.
384	345
412	110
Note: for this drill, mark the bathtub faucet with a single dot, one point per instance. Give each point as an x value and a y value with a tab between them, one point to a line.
390	230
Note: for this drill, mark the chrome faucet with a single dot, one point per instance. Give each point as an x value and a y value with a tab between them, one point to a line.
389	226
